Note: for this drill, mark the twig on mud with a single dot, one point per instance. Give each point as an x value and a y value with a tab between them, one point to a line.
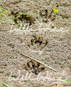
45	65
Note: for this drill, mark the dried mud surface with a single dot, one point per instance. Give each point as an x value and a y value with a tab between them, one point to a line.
54	47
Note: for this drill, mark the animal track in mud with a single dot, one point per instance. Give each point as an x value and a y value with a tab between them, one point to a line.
34	67
47	15
22	17
37	42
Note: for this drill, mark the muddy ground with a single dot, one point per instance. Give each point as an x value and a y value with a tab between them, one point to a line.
48	40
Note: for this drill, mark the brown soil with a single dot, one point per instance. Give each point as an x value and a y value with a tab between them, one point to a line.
48	41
